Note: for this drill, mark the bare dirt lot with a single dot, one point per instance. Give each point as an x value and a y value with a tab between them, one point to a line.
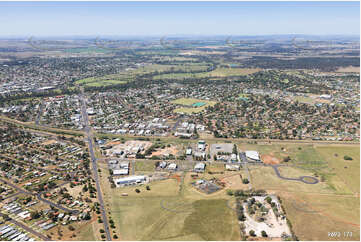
270	159
234	182
166	151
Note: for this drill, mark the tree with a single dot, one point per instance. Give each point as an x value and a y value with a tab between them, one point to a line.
230	192
148	188
235	149
287	159
71	228
87	216
115	236
6	217
241	217
239	193
245	181
346	157
264	234
252	233
137	190
268	200
35	215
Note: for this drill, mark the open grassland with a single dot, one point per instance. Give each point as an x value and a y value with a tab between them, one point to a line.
187	105
104	83
144	165
140	216
319	161
346	171
86	233
130	74
314	215
224	72
219	72
265	178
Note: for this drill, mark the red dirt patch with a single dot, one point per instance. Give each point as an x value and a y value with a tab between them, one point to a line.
177	177
270	160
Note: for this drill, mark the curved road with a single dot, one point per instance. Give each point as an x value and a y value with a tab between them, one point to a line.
301	178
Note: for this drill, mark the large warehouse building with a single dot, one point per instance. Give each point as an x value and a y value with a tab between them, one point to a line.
130	180
253	155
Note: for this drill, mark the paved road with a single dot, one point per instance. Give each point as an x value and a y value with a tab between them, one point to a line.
30	230
244	162
41	109
301	178
94	165
23	191
12	195
248	175
176	124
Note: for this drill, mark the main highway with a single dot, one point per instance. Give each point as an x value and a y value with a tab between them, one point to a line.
89	138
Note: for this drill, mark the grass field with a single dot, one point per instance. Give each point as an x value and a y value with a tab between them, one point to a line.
141	216
314	215
190	103
146	165
129	75
219	72
346	171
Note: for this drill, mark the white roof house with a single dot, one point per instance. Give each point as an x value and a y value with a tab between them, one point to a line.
199	167
189	151
118	172
325	96
253	155
233	158
172	166
124	165
163	164
232	167
201	145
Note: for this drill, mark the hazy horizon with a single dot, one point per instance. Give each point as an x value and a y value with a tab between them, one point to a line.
149	19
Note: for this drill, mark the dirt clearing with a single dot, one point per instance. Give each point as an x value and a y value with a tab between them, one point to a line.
270	159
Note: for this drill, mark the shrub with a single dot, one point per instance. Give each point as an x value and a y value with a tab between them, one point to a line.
245	181
287	159
252	233
264	234
230	192
346	157
241	217
137	190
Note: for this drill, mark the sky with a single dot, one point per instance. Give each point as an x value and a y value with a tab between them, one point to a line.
177	18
